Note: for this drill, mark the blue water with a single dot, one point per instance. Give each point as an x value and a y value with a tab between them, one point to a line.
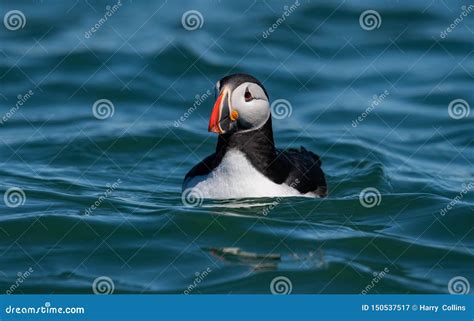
405	145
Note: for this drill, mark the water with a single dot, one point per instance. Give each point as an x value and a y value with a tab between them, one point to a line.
142	237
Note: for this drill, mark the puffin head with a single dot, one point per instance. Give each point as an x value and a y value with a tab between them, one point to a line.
242	105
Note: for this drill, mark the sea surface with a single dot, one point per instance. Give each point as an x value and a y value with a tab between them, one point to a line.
105	107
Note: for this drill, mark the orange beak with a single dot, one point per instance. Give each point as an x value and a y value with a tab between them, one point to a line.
223	118
215	119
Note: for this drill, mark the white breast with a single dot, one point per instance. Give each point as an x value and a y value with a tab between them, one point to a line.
235	177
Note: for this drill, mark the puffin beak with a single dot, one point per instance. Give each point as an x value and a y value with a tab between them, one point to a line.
220	121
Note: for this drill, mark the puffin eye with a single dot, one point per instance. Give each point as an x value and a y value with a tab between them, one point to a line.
248	95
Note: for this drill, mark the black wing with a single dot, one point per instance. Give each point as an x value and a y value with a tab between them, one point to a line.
303	169
202	168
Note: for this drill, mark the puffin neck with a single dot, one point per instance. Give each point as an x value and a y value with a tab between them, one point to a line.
257	145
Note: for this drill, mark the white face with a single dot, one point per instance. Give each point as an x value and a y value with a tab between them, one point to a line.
250	101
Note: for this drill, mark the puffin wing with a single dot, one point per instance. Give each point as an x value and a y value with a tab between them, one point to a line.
303	170
203	168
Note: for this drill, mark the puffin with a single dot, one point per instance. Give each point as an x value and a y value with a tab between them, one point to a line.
246	163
